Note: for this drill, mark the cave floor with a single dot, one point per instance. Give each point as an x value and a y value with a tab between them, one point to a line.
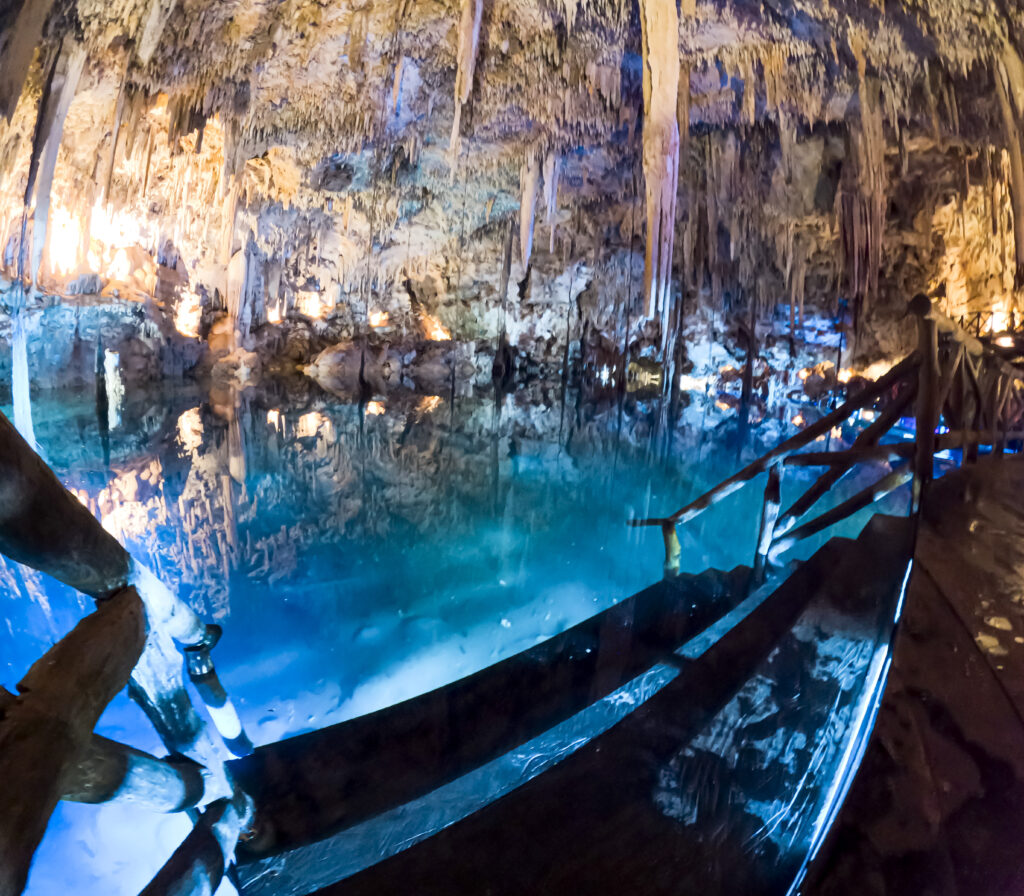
938	804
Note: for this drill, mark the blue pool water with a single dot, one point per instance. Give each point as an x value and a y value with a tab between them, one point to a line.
358	555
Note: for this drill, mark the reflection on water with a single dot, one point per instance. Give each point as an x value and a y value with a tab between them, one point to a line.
360	554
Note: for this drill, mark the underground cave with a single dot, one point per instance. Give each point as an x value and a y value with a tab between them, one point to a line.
511	447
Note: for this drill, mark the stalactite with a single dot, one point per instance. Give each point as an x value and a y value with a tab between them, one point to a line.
1013	146
863	203
16	55
660	32
552	165
153	28
469	45
529	183
60	87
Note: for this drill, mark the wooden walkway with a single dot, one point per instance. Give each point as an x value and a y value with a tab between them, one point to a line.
938	805
720	782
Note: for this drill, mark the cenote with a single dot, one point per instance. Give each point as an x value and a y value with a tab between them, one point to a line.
511	447
359	554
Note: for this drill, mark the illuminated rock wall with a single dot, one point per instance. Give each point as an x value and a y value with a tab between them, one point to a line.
341	170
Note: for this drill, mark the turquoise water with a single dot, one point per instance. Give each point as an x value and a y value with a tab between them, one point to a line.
358	555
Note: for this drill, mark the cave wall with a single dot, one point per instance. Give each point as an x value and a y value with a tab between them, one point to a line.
261	182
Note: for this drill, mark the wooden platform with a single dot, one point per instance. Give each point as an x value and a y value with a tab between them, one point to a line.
938	805
718	783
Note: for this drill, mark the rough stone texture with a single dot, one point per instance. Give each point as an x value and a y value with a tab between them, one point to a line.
339	162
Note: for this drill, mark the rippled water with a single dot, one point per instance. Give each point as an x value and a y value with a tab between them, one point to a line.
360	554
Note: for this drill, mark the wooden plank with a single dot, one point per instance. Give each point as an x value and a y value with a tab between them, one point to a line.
45	730
877	453
309	786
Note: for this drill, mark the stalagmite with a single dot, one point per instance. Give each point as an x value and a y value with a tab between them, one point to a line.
529	183
660	27
469	45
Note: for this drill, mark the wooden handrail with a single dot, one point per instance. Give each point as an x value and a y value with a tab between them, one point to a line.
790	446
944	350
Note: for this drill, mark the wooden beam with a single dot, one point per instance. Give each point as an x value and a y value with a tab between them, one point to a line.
198	865
44	526
108	771
45	730
870	436
874	492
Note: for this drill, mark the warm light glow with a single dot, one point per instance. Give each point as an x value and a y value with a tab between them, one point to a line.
120	267
188	313
868	414
1005	342
845	375
722	406
375	408
999	321
803	374
310	304
65	237
274	418
428	403
309	424
798	420
274	315
109	234
190	430
378	318
876	370
433	329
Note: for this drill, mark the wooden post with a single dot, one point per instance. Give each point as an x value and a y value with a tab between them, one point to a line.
673	550
198	865
927	395
110	772
45	730
769	514
46	527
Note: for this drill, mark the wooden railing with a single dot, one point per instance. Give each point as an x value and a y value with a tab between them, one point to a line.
953	382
